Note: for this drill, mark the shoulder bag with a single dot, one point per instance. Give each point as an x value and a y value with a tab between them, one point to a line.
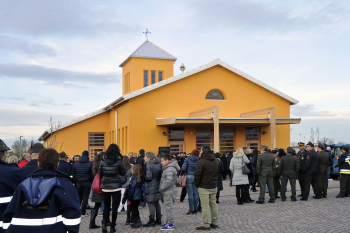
245	169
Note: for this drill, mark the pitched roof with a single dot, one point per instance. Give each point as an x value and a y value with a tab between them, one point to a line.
150	50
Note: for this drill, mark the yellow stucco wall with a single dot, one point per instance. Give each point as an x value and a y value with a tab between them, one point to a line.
136	66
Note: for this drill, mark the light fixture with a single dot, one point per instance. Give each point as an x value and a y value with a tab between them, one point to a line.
264	132
164	133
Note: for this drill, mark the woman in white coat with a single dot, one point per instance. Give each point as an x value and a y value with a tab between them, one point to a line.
239	180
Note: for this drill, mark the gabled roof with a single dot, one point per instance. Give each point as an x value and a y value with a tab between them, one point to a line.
150	50
152	87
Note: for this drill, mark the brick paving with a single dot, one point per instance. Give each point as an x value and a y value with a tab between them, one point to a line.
326	215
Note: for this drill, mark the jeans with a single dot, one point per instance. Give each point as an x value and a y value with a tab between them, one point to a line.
108	196
209	207
192	191
84	193
169	201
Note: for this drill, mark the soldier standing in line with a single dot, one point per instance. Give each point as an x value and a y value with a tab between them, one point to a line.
266	165
311	166
276	173
322	171
289	169
301	156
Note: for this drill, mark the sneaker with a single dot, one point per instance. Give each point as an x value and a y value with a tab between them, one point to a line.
169	227
163	225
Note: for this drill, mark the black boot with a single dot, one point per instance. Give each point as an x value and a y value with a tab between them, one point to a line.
151	222
104	227
114	220
92	219
137	224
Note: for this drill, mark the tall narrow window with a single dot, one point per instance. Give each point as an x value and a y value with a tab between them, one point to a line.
153	77
145	78
160	76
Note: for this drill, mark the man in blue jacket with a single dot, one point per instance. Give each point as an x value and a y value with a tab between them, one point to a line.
32	165
83	177
44	202
9	180
64	167
344	168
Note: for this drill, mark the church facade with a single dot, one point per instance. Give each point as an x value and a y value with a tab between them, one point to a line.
213	104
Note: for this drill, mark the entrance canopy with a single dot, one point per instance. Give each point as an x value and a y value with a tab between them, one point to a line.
223	120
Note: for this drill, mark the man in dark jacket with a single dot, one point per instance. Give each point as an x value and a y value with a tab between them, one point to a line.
322	170
44	202
223	159
205	179
32	165
249	155
311	167
9	180
301	156
289	168
64	167
344	168
141	160
83	177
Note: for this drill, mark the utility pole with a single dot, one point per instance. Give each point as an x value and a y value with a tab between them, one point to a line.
20	145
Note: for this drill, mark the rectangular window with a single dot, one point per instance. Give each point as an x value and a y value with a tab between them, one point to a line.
176	134
145	78
252	133
153	77
160	76
96	139
205	136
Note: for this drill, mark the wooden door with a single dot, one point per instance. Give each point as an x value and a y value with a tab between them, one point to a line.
253	144
94	150
176	147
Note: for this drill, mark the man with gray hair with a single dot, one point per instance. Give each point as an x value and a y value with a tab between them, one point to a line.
250	156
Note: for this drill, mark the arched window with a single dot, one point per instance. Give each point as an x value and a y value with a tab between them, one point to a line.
214	95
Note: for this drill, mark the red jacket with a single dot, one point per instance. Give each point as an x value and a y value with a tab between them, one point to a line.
22	163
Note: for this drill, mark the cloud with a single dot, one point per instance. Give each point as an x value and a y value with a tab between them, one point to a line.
54	76
62	18
47	103
308	110
25	47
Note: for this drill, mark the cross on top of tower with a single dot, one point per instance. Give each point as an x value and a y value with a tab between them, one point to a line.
146	32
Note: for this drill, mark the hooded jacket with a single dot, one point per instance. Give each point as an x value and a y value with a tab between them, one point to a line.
83	170
65	168
45	202
111	171
207	171
153	175
28	169
168	181
189	165
10	178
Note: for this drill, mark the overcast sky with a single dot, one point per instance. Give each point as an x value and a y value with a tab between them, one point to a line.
61	58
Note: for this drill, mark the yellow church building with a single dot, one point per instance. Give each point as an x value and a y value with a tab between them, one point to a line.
214	104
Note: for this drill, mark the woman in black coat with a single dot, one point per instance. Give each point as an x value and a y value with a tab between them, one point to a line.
111	169
153	174
254	161
220	187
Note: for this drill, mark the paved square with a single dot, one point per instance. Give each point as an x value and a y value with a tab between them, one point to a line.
326	215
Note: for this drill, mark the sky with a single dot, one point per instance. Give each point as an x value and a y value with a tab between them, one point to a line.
61	58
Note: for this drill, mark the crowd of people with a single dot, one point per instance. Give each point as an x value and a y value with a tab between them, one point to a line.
46	192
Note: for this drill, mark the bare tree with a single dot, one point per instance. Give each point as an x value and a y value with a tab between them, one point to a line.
341	142
53	131
20	147
327	141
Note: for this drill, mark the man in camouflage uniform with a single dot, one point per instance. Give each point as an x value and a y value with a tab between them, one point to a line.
289	169
301	156
322	170
276	173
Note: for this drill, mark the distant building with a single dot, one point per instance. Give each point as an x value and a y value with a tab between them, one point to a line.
155	108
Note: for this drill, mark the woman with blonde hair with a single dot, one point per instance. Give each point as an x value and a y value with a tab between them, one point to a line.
240	180
13	161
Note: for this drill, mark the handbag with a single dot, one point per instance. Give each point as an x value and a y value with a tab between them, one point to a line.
181	181
245	169
97	184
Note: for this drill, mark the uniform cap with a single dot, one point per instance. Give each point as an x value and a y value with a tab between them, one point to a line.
274	151
320	145
3	146
301	144
310	144
37	147
264	147
290	150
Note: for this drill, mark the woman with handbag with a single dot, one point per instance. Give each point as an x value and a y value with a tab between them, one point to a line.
95	196
111	171
240	172
153	174
189	168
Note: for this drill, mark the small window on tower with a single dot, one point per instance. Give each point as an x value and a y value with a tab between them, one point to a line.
145	78
160	76
153	77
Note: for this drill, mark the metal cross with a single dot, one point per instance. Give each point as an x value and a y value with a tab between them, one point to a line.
146	32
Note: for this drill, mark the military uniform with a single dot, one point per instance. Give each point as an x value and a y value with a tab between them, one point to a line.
344	168
311	166
301	156
276	176
289	169
9	180
265	167
322	171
